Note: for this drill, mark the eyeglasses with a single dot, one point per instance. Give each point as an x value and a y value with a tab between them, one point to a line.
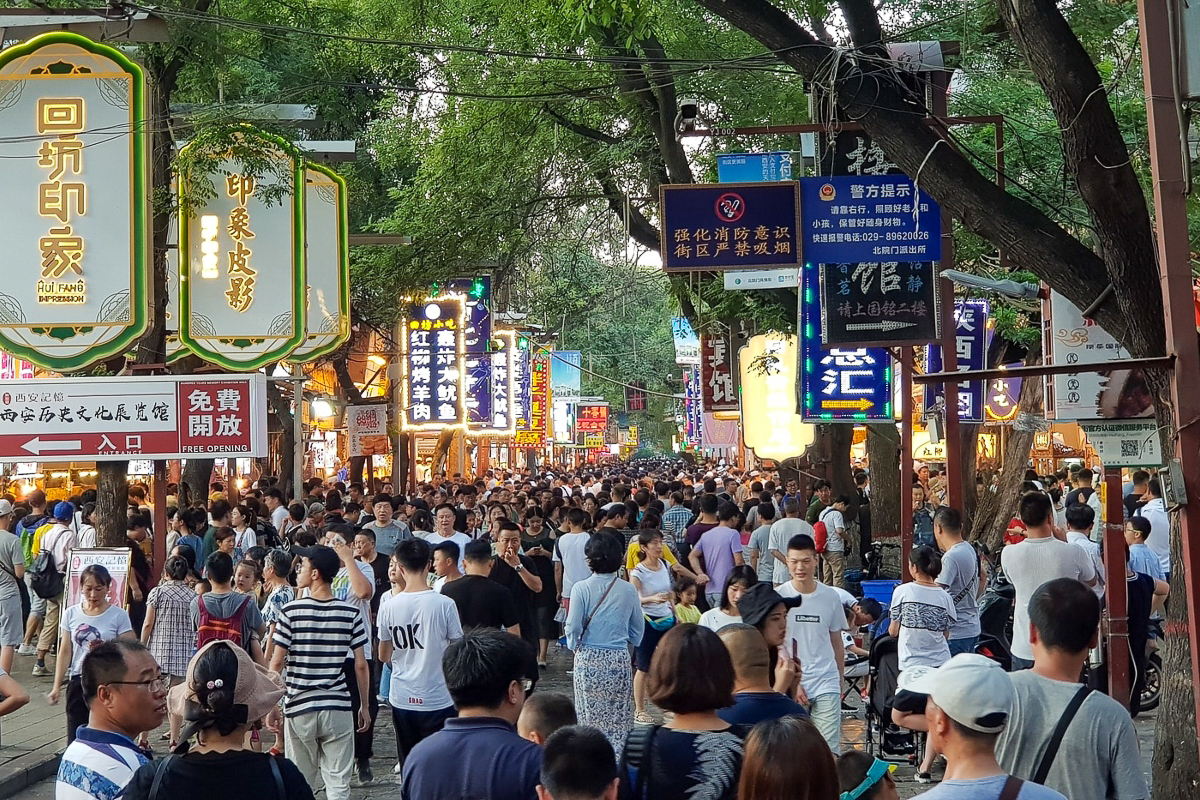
160	684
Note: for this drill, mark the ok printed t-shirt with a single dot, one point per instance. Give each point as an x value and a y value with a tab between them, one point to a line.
810	626
925	614
419	626
87	631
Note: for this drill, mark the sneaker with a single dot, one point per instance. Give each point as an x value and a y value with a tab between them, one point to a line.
364	770
396	770
40	671
924	777
27	650
541	665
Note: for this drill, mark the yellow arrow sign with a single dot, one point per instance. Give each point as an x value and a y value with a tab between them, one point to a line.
862	404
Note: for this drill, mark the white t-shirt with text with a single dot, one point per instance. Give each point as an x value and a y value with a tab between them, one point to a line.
782	531
810	626
419	626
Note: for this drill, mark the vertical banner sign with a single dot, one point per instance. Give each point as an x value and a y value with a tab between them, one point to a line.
501	364
478	396
694	406
366	430
432	387
970	320
539	405
839	384
770	424
566	373
716	363
327	264
75	231
243	284
729	226
523	388
687	343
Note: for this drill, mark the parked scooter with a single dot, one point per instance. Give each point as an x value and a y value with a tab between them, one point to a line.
996	619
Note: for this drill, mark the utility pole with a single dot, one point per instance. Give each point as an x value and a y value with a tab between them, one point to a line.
1163	115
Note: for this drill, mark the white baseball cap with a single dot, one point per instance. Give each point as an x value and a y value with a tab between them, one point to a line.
972	689
5	508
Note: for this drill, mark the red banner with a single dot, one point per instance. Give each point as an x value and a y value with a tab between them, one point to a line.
591	419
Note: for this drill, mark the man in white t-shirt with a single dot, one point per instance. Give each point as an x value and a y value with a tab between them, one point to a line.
814	639
570	561
961	576
1039	558
444	517
1079	533
833	563
782	531
279	513
415	628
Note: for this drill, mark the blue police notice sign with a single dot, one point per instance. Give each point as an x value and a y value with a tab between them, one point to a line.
755	167
864	218
729	226
839	384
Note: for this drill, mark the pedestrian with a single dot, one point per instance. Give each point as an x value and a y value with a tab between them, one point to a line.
962	576
786	759
865	777
222	613
1154	508
652	579
758	551
12	575
922	521
721	548
1141	558
696	753
517	573
754	699
1039	558
123	694
725	611
782	531
316	631
58	541
487	674
481	602
1097	756
446	558
1079	519
970	703
578	763
537	543
225	694
833	560
685	590
543	714
415	628
765	610
604	620
84	626
168	631
29	530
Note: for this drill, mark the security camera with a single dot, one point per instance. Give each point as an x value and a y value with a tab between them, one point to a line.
689	111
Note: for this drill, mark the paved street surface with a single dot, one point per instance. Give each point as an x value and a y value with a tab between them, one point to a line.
28	738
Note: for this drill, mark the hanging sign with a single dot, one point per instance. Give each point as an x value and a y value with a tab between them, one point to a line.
500	386
756	167
970	322
839	384
687	343
366	430
869	218
729	225
770	424
74	145
886	303
1125	443
591	418
1000	401
478	334
566	373
432	385
635	396
523	388
243	282
716	363
327	265
539	405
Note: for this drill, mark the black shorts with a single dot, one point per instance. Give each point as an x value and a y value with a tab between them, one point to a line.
413	726
547	626
907	702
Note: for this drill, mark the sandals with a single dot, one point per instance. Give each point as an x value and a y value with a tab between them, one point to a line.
642	718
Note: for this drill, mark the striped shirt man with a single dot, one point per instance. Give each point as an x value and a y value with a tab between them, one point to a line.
317	634
97	766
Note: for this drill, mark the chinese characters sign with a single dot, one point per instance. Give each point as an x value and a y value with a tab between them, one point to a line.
499	387
73	145
756	167
591	418
873	302
869	218
1001	398
970	319
327	264
366	430
434	364
839	384
635	397
716	362
770	424
729	225
243	282
539	404
112	419
478	333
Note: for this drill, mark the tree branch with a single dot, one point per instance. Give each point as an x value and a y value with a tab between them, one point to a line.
580	129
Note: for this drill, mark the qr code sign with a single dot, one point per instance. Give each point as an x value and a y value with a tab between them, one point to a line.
1129	448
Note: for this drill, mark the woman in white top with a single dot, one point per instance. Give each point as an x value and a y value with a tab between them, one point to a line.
652	579
922	613
740	579
242	519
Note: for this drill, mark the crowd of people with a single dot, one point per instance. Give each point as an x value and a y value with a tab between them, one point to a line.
707	615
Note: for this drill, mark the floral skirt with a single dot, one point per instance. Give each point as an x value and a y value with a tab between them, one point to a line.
604	692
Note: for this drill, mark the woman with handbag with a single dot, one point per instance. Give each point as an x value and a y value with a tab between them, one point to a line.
605	619
652	579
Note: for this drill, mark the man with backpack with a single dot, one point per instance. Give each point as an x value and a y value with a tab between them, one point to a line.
833	554
26	531
46	579
1086	495
223	614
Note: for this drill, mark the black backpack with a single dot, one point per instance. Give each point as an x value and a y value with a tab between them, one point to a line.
44	578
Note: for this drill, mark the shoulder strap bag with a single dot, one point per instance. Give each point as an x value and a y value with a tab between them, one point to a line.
1012	788
588	620
636	755
1043	769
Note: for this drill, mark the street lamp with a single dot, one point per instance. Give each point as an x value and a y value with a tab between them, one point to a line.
1013	289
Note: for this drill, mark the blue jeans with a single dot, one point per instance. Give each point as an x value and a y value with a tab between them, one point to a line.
964	645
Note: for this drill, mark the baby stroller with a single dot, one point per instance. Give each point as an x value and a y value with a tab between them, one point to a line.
884	739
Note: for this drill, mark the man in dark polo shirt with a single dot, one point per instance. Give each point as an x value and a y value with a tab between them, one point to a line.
486	675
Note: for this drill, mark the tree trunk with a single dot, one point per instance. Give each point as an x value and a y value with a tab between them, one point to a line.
995	509
883	453
197	474
280	406
969	434
111	516
440	451
356	470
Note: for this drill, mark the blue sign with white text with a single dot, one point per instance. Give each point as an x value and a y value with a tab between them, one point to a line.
729	225
865	218
839	384
970	319
756	167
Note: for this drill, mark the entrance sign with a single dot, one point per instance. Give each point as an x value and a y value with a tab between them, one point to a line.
327	264
433	383
970	319
770	424
839	384
869	218
885	303
75	224
115	419
729	225
1125	443
242	290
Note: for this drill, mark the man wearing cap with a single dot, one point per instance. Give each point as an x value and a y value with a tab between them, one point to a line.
970	700
58	541
12	572
317	631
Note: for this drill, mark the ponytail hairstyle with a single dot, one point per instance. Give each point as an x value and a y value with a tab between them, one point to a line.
214	680
177	568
